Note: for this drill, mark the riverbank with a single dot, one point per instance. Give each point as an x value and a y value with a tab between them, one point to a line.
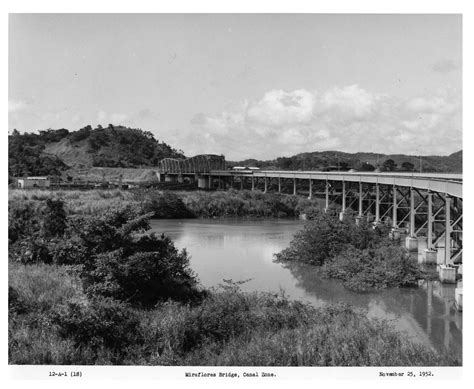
52	321
361	256
176	204
94	289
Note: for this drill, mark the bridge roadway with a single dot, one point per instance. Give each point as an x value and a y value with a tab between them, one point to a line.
427	206
446	183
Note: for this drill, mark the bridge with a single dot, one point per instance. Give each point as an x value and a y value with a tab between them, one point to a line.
425	206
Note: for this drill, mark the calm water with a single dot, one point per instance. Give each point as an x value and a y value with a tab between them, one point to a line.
243	249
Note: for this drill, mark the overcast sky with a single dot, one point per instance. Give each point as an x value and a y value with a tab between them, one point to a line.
245	86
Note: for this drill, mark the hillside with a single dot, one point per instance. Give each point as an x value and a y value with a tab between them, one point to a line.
321	160
53	151
116	151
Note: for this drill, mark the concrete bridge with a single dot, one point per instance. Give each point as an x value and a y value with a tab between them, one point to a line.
425	206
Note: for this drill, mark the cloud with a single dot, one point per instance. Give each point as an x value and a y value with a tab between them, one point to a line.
347	118
444	66
16	105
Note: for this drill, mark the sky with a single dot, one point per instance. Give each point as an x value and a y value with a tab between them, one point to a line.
246	86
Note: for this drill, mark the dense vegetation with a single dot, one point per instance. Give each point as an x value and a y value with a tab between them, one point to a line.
334	160
26	157
114	146
87	285
53	322
360	255
169	205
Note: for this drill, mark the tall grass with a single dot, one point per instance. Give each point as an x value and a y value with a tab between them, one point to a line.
195	203
229	328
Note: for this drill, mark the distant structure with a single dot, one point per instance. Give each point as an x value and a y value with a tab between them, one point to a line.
34	182
203	163
191	169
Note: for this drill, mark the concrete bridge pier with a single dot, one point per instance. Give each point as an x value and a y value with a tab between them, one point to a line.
294	186
359	216
411	242
265	185
377	204
310	196
279	185
343	210
429	255
203	183
253	183
170	178
326	209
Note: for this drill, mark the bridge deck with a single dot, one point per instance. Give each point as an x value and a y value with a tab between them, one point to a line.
448	183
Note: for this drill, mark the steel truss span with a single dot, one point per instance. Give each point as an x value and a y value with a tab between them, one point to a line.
195	165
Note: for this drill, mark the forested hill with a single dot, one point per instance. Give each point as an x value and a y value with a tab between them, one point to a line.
51	151
322	160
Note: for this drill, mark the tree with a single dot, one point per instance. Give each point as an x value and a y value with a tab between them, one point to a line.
367	167
389	165
408	166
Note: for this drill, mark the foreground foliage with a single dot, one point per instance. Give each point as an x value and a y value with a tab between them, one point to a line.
95	289
228	327
360	255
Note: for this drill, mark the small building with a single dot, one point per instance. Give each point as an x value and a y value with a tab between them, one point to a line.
33	182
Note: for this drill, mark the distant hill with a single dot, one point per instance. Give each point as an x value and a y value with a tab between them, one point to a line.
325	160
130	153
53	151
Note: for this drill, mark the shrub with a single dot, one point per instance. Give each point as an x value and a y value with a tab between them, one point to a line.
143	277
53	218
22	219
382	267
326	236
166	205
103	322
16	303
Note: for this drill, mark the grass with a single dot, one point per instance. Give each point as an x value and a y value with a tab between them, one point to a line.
194	203
229	328
52	321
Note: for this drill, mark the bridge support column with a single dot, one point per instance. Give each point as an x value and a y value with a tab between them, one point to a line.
394	206
279	185
343	211
210	181
447	242
241	182
266	185
310	189
377	204
326	209
294	186
361	210
394	234
411	242
253	183
429	255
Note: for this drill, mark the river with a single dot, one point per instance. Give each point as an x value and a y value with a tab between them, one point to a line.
242	249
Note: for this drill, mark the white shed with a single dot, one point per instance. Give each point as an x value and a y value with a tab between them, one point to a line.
34	182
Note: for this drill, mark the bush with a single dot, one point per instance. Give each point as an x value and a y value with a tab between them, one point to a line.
360	255
382	267
143	277
166	205
103	322
231	313
326	236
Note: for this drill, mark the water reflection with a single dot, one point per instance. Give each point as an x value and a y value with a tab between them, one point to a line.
243	249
